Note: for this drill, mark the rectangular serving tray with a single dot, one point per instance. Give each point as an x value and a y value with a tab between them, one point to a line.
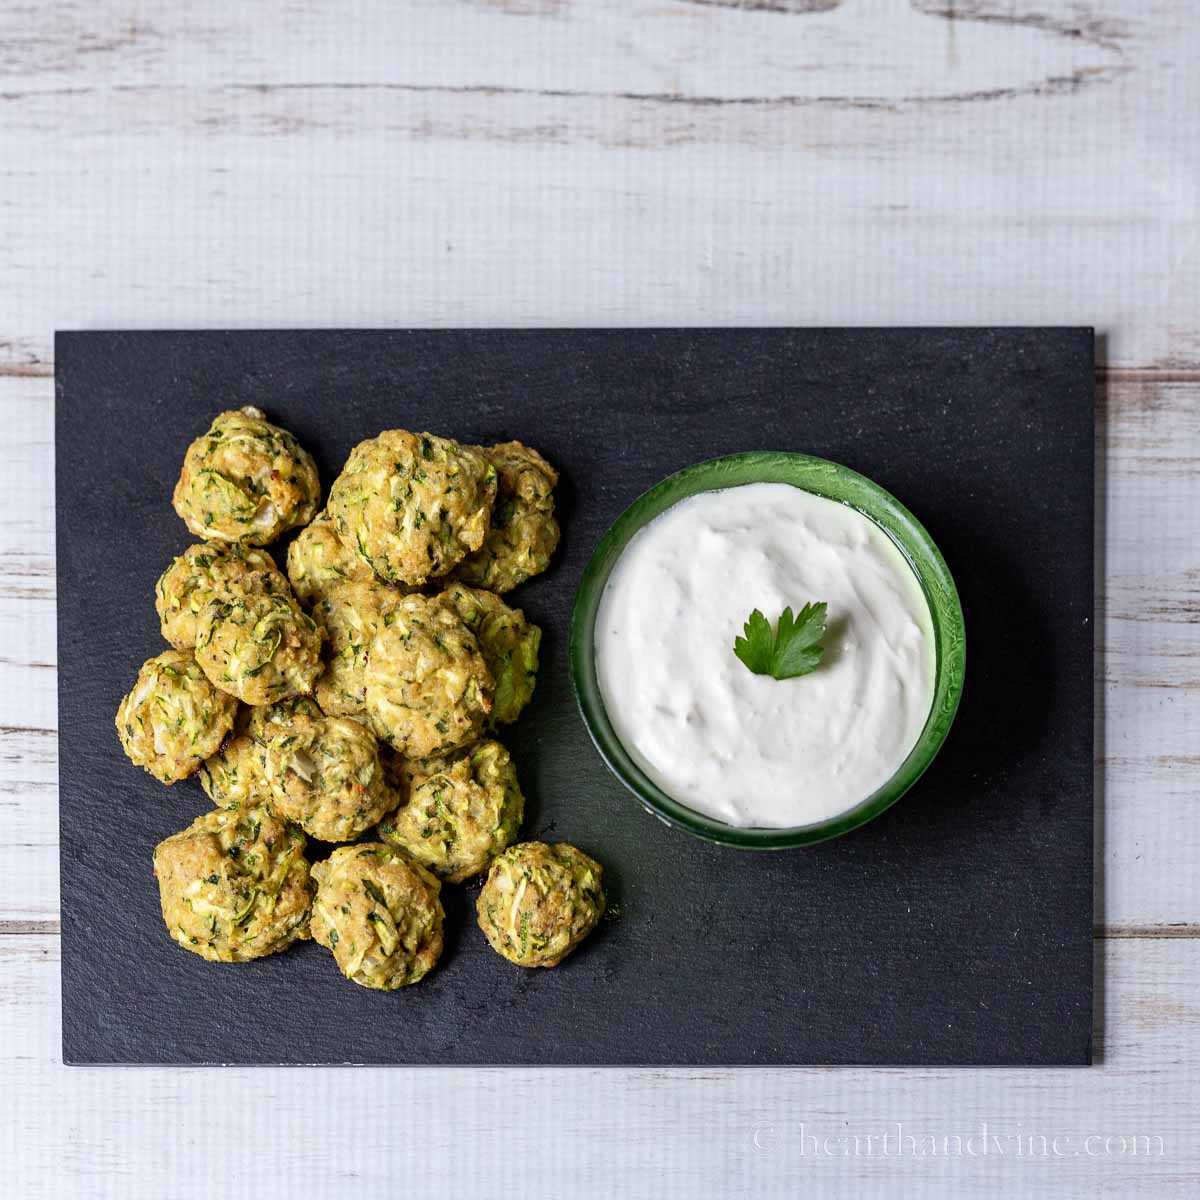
955	929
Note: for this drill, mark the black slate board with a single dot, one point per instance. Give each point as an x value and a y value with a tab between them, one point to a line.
957	928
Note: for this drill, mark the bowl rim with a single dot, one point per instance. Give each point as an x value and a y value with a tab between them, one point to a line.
771	466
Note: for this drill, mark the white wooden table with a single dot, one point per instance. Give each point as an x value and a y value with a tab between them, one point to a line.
458	162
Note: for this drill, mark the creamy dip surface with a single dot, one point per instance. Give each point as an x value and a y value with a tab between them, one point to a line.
748	749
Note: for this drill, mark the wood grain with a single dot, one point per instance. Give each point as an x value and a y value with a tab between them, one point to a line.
617	162
199	1132
638	162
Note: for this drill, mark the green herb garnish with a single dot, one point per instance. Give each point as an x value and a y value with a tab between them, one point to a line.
793	649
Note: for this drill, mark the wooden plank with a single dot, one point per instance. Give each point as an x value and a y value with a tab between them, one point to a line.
28	655
1147	664
1150	609
623	162
654	161
717	1132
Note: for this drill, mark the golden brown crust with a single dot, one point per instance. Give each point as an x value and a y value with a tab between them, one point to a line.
235	776
318	562
428	687
540	902
260	648
523	534
173	718
379	914
246	480
509	645
459	811
234	885
352	615
207	572
413	505
324	773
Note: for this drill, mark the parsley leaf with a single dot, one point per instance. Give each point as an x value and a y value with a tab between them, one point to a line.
793	649
756	647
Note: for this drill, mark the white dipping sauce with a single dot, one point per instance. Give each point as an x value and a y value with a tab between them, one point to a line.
748	749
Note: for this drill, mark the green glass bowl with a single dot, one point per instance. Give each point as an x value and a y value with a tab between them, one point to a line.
822	478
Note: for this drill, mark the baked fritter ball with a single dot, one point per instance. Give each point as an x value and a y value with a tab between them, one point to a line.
246	480
259	648
428	687
324	773
461	811
236	776
379	914
208	572
318	562
174	718
540	902
235	885
352	615
413	505
508	642
266	719
523	533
